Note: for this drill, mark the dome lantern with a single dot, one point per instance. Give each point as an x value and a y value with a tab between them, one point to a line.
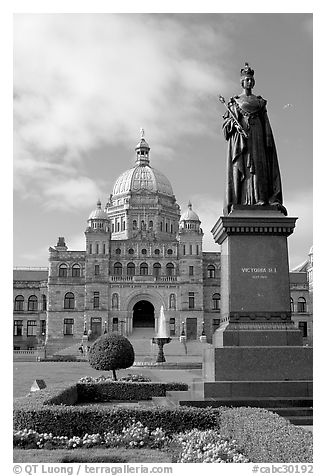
142	150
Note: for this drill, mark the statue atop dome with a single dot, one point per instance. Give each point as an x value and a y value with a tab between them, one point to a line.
253	175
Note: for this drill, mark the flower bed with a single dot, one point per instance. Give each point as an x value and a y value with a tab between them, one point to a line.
190	447
266	437
105	378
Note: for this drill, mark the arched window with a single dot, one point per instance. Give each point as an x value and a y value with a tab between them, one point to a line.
144	251
134	225
169	251
131	269
302	305
43	302
157	251
117	269
211	271
292	305
150	224
69	301
156	269
144	269
216	301
170	269
172	301
131	251
75	271
115	301
32	303
19	303
63	270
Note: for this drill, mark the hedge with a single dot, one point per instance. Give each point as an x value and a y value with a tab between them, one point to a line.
63	420
266	437
106	391
54	410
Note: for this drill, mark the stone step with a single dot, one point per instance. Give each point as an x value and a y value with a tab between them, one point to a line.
258	388
175	347
300	420
263	402
144	350
293	411
163	402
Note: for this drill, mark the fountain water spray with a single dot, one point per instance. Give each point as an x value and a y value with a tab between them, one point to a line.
162	336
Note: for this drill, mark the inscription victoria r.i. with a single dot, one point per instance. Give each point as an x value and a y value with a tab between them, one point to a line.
259	270
257	273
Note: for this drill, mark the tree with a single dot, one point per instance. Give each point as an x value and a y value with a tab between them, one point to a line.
111	352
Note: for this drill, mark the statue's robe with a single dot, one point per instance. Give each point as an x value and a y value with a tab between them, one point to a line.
253	175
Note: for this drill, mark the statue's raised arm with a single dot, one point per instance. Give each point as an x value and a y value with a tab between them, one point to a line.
253	176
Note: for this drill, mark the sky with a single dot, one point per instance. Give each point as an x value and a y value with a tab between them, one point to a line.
84	85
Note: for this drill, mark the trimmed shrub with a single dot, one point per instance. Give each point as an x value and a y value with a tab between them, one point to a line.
53	410
77	421
266	437
111	352
106	391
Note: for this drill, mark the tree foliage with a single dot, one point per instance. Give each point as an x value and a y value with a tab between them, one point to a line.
111	352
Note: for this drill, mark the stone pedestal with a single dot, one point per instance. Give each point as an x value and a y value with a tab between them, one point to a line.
256	350
255	285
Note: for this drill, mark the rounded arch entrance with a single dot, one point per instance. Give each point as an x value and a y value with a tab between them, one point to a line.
153	298
143	314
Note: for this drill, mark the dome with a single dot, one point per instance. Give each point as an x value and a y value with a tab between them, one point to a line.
142	178
98	213
189	214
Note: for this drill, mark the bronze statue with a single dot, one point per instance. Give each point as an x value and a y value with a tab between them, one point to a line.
253	175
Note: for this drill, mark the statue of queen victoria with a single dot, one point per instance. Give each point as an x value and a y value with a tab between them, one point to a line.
253	175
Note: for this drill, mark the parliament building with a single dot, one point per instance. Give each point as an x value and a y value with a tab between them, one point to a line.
141	254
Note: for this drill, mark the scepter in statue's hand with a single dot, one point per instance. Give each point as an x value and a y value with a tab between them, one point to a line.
237	123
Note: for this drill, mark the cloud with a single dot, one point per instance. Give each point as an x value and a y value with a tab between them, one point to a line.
86	80
299	205
72	192
76	242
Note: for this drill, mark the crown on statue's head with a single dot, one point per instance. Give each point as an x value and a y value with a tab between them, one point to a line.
247	71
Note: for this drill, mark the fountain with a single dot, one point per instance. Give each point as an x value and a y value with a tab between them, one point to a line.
162	336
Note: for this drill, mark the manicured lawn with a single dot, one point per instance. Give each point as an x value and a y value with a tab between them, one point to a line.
24	374
93	455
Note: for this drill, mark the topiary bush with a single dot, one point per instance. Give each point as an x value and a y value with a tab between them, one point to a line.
111	352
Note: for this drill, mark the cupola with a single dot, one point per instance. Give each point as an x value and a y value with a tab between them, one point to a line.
98	219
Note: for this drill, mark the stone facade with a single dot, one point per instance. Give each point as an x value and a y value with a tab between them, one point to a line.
140	255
